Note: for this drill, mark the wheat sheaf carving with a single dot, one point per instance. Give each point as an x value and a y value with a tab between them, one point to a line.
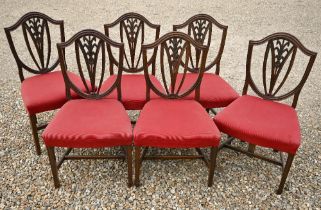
280	50
200	30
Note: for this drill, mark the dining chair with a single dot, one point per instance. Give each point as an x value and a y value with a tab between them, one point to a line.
171	121
44	90
92	121
215	92
133	29
261	120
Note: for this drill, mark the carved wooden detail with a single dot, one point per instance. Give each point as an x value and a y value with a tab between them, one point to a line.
174	54
280	47
91	49
280	50
36	33
90	46
200	28
132	33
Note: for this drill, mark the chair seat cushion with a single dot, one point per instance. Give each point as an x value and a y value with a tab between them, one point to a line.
84	123
46	92
133	90
214	93
261	122
169	123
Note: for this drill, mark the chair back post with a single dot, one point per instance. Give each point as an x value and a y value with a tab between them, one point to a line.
248	68
89	44
120	69
220	52
15	54
34	26
131	26
175	47
63	67
304	79
199	27
282	46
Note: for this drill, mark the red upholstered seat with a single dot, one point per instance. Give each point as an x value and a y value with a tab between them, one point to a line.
84	123
214	93
133	90
46	91
169	123
261	122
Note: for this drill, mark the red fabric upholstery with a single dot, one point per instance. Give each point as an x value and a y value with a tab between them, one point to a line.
133	90
261	122
46	92
175	124
215	92
83	123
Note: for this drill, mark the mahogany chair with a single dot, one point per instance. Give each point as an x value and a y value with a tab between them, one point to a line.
260	120
215	91
171	121
132	28
45	90
93	121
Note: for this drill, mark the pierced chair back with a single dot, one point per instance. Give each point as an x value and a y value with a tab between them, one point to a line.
173	57
201	27
132	29
92	52
37	36
280	48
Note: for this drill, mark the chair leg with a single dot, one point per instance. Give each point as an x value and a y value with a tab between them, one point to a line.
285	173
33	123
251	148
53	164
213	111
137	165
214	151
129	165
133	122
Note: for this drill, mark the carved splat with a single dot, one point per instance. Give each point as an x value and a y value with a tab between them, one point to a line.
90	48
280	50
174	48
133	28
174	53
200	29
36	27
36	35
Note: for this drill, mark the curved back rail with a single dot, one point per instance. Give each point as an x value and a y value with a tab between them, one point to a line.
36	33
281	46
172	49
132	28
90	46
200	28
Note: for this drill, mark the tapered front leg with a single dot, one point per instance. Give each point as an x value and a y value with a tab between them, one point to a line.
251	148
285	173
214	151
33	124
53	164
129	151
137	165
